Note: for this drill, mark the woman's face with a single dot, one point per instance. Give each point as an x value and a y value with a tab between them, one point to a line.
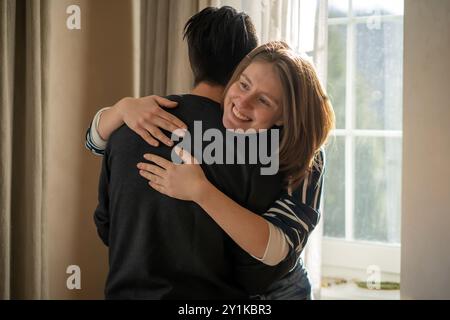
254	100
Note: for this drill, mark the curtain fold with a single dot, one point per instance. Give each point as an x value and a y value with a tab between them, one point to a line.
164	63
22	221
270	17
7	35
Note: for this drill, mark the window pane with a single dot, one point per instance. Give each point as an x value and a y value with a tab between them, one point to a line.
337	48
377	7
334	189
377	189
378	75
337	8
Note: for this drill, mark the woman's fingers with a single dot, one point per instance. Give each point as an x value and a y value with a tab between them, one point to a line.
172	119
158	187
156	170
163	163
151	177
166	115
147	137
154	131
157	134
169	126
165	102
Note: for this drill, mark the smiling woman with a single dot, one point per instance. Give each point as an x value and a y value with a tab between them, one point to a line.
254	100
273	86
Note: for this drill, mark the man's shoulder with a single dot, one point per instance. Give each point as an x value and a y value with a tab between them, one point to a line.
195	104
192	98
190	109
124	135
193	108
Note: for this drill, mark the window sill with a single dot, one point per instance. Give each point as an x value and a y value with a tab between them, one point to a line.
350	291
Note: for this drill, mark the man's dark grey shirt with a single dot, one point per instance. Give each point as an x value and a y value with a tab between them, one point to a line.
164	248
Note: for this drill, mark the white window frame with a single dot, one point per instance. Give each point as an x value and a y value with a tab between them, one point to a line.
345	256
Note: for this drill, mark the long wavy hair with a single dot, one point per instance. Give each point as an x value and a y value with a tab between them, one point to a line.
308	115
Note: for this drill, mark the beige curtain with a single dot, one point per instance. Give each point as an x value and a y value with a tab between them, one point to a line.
270	17
23	67
164	63
89	68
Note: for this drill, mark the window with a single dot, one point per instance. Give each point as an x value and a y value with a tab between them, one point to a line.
364	82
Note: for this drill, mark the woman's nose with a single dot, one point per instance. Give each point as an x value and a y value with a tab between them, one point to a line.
245	101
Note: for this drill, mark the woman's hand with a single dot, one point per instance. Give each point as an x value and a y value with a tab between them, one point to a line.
183	181
145	117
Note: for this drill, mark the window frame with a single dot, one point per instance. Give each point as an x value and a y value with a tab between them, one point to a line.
342	256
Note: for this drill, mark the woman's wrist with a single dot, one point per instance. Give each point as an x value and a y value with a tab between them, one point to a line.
110	120
203	192
120	107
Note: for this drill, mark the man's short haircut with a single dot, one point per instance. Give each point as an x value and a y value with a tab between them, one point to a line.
218	39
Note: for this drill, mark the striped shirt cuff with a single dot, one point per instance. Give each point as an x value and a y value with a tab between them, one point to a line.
95	136
94	142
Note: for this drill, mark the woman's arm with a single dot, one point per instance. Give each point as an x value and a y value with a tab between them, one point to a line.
288	221
249	230
143	115
298	213
109	120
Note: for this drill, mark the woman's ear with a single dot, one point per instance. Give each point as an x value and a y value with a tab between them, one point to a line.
279	122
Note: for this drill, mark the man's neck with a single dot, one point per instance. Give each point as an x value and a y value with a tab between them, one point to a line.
213	92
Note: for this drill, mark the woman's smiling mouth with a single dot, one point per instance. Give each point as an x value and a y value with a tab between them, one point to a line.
239	115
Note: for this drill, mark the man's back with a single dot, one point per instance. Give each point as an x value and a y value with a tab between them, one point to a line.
164	248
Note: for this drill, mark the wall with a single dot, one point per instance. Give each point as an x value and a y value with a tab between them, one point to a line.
425	271
88	69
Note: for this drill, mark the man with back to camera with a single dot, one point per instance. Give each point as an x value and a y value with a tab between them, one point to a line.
160	247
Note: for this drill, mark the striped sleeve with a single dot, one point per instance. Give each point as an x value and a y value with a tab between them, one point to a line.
90	145
94	142
298	214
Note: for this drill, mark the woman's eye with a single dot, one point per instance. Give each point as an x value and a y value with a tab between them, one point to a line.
264	102
243	85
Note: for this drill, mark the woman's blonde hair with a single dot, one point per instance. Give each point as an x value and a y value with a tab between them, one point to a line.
308	115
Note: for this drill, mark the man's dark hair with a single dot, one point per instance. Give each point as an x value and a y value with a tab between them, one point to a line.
218	39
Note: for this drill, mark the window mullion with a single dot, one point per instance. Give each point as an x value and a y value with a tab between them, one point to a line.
367	133
349	125
363	19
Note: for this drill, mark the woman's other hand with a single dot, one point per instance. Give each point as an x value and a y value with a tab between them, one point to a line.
146	117
181	181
